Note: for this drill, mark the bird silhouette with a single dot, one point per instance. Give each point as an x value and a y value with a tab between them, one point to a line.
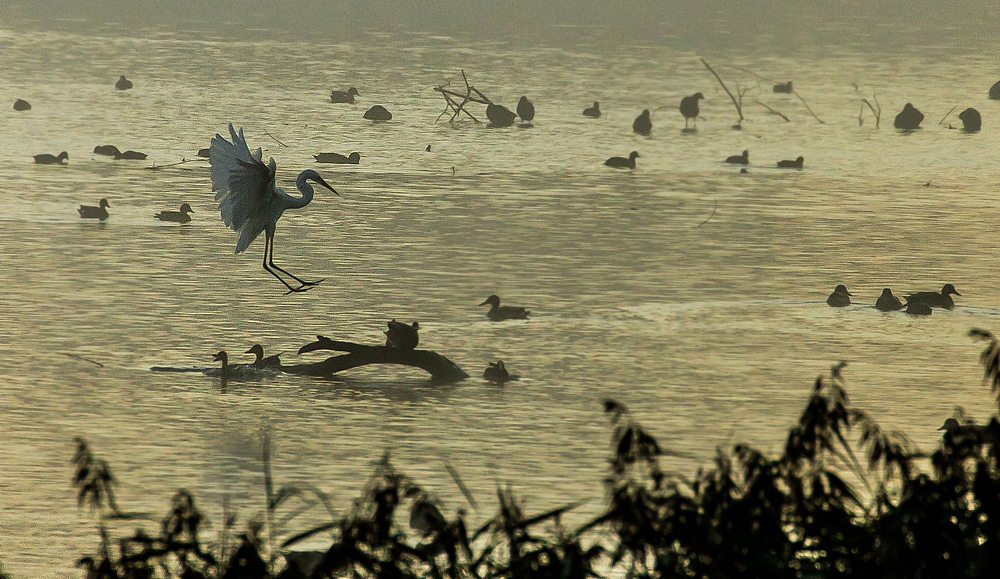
260	361
840	297
47	159
91	212
888	302
378	113
594	111
496	372
107	150
622	162
525	109
689	108
499	313
743	159
352	159
344	96
909	118
936	299
123	83
402	336
130	156
249	200
796	164
642	123
181	216
972	121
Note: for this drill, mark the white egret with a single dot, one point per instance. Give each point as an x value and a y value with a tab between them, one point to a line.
250	202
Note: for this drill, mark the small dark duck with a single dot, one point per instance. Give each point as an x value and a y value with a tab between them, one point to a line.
783	87
47	159
352	159
593	112
91	212
888	302
402	336
935	299
260	361
500	313
622	162
378	113
840	297
917	309
972	121
123	83
181	216
22	105
107	150
643	124
344	96
909	118
796	164
525	109
496	372
689	108
131	156
743	159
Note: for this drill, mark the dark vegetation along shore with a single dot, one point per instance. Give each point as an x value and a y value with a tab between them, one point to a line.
844	498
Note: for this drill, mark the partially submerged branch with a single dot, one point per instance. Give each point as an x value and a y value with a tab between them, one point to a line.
440	368
736	103
772	111
876	110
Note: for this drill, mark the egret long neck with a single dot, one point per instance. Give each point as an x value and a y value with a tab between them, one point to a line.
302	184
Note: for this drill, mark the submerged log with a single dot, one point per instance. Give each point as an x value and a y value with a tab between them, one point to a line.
440	368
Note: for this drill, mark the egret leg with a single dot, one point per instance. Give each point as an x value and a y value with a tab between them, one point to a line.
269	253
268	249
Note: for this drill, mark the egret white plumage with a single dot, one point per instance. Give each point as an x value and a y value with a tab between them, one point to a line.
249	200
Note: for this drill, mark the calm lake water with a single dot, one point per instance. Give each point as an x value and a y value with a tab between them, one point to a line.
687	291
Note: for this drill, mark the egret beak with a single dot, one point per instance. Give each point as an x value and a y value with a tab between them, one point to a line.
327	185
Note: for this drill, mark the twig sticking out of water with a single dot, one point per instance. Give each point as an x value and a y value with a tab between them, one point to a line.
461	486
736	103
807	107
773	111
941	122
712	215
275	138
457	108
96	363
154	166
876	111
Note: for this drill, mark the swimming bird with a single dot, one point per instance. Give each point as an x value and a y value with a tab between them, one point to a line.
840	297
743	159
378	113
499	115
909	118
260	361
525	109
642	123
968	428
249	200
689	108
402	336
500	313
593	112
995	91
131	156
123	83
22	105
496	372
888	302
796	164
972	121
917	309
783	87
935	299
47	159
91	212
236	371
181	216
352	159
107	150
622	162
344	96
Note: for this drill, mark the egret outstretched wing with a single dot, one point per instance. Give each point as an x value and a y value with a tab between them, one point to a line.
244	185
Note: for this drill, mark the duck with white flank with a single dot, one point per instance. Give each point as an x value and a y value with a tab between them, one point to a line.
689	108
840	297
47	159
91	212
500	313
352	159
622	162
344	96
260	361
935	299
743	159
593	112
402	336
181	216
888	302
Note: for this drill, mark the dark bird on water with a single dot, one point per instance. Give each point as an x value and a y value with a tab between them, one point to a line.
525	109
352	159
796	164
500	313
107	150
743	159
131	156
22	105
936	299
995	91
180	216
594	111
840	297
378	113
402	336
972	121
689	108
249	200
260	361
237	371
888	302
785	87
47	159
622	162
496	372
344	96
499	115
123	83
91	212
643	124
917	309
909	118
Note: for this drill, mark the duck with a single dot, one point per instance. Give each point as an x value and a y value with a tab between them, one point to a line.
743	159
972	121
954	428
840	297
593	112
888	302
935	299
402	336
131	156
917	309
378	113
785	87
236	371
622	162
497	372
47	159
344	96
123	83
525	109
180	216
689	108
642	124
500	313
91	212
499	115
22	105
260	361
796	164
352	159
909	118
107	150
